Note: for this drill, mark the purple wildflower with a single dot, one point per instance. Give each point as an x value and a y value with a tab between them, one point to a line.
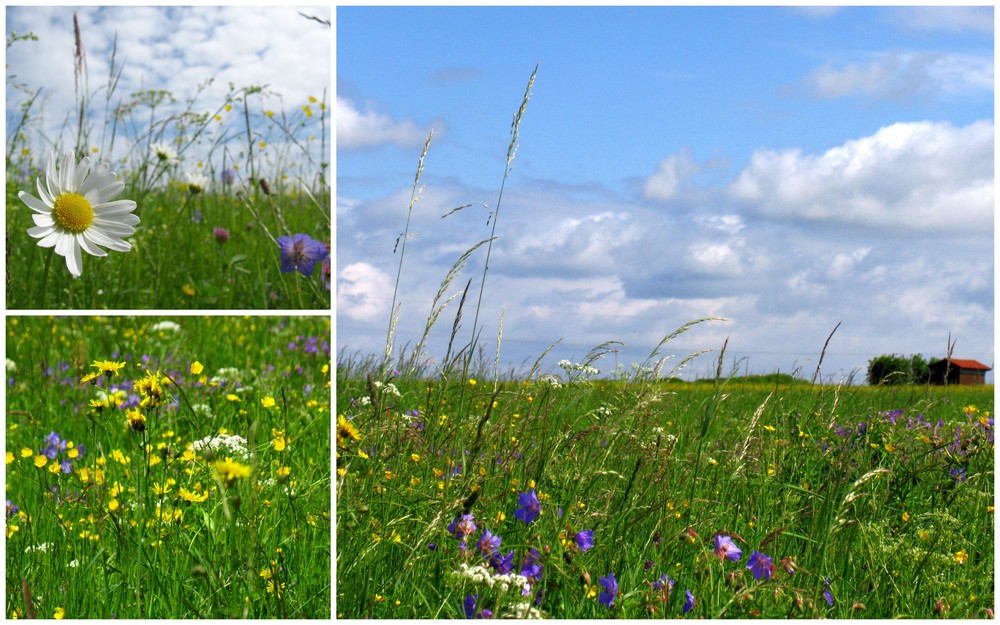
470	605
503	565
11	509
726	548
228	176
584	540
530	506
760	565
488	543
663	583
688	600
221	235
827	593
530	566
301	252
462	528
610	585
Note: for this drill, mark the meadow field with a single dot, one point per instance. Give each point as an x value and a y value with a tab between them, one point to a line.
466	492
167	467
631	499
167	201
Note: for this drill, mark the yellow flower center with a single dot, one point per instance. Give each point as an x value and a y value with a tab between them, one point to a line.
73	212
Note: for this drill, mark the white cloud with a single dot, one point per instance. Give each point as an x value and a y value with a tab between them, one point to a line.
670	175
844	263
363	292
176	49
976	19
905	76
359	130
921	176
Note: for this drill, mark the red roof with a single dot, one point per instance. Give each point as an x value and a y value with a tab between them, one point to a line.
969	364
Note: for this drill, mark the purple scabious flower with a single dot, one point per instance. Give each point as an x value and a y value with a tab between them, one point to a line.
584	540
760	565
488	544
688	600
726	548
610	585
301	252
530	506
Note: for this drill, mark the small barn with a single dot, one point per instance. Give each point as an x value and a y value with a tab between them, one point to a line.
955	371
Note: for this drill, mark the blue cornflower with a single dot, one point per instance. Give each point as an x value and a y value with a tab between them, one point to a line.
301	252
610	585
760	565
530	506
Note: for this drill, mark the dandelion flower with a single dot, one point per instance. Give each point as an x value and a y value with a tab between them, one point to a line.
60	613
75	211
301	252
346	431
108	367
135	420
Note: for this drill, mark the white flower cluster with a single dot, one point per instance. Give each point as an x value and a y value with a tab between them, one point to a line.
479	575
232	445
226	374
570	368
389	387
11	366
165	326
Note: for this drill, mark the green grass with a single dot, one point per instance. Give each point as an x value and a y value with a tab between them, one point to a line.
898	516
175	261
143	524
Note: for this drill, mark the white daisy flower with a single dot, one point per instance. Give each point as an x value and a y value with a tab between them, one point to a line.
164	152
197	181
75	211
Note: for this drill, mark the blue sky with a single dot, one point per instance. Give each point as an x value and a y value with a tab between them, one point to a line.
786	169
195	53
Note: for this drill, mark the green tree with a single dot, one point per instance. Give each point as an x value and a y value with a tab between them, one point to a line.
895	369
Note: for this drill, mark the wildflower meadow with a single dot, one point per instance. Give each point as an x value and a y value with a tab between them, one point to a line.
466	492
167	467
145	202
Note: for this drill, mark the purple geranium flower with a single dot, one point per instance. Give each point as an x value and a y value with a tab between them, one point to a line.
11	509
462	528
488	543
663	583
530	507
301	252
688	601
726	548
530	566
760	565
610	585
503	565
584	540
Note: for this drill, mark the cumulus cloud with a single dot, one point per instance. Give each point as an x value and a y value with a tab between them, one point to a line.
905	76
976	19
358	129
363	292
671	173
921	176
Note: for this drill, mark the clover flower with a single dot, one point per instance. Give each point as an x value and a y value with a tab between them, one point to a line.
725	548
760	565
301	253
610	585
75	211
530	506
